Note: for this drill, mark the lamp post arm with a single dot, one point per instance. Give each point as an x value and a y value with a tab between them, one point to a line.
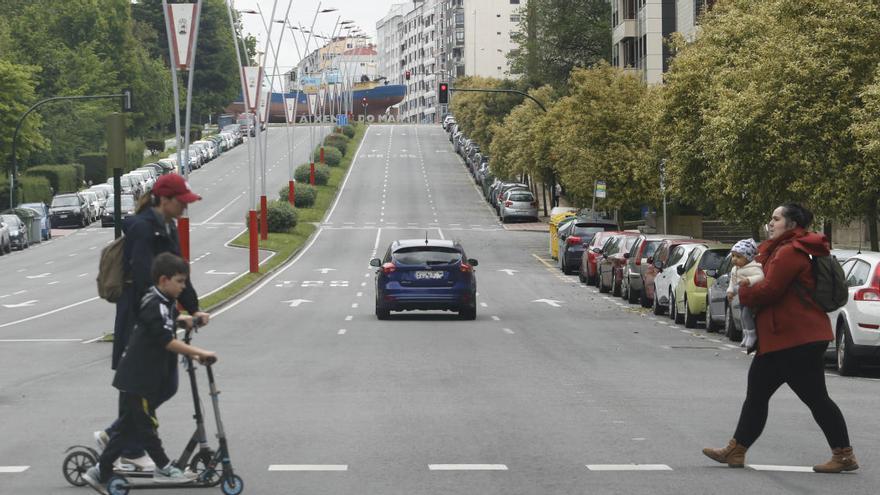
480	90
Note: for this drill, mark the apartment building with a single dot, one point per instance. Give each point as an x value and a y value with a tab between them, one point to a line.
640	29
350	57
441	40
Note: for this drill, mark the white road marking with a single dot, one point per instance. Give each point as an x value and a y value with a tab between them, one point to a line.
628	467
53	282
354	305
484	305
42	275
341	331
349	318
72	255
441	234
467	467
25	304
364	284
13	469
787	469
40	340
82	275
496	318
19	292
308	467
507	330
359	294
294	303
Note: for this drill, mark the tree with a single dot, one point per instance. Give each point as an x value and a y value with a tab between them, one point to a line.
16	95
555	36
477	112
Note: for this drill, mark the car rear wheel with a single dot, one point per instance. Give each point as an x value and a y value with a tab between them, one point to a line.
632	296
690	319
381	313
643	296
581	277
847	364
711	326
674	315
615	287
655	305
468	313
602	287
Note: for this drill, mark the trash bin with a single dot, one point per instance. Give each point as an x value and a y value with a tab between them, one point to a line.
557	215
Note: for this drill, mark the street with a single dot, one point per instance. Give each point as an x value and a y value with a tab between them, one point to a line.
554	388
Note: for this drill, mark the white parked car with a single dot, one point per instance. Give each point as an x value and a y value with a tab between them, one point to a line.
857	324
666	281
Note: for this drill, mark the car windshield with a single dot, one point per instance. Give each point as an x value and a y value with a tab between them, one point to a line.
585	233
650	248
711	260
427	255
10	220
65	201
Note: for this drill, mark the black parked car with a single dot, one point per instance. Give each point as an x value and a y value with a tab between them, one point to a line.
18	233
128	206
69	209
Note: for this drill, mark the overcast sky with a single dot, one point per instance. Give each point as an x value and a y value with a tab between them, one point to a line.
364	13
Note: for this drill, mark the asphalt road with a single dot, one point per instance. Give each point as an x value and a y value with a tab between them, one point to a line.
554	388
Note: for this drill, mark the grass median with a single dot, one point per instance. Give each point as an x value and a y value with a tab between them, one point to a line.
285	245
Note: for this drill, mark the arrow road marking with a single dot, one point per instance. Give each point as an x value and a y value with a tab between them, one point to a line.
214	272
25	304
42	275
508	271
296	302
551	302
325	270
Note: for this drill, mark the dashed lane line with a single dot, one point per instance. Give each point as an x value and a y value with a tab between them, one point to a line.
467	467
308	467
13	469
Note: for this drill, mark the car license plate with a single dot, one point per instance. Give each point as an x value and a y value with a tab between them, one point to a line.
63	216
429	275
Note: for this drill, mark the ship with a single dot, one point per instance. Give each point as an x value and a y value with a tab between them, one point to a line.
379	99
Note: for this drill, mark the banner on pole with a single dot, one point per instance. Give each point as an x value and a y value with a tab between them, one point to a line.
313	104
265	93
252	76
182	26
290	107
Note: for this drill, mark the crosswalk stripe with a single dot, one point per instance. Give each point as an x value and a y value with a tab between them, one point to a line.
787	469
13	469
628	467
467	467
308	467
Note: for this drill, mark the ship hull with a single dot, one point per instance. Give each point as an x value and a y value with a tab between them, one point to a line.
379	99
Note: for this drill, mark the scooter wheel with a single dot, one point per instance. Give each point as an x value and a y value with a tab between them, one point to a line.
118	485
199	465
75	466
233	485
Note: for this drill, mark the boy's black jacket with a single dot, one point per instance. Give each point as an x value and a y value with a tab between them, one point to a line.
146	367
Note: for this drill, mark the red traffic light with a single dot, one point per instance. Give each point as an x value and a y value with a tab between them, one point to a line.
443	93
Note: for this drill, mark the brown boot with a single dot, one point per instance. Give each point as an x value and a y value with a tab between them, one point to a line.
841	460
734	455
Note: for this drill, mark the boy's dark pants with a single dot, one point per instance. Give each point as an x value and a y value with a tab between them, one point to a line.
137	424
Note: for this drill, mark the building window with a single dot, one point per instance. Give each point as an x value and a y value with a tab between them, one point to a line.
514	2
514	17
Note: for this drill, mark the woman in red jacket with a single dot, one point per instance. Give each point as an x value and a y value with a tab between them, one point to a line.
793	333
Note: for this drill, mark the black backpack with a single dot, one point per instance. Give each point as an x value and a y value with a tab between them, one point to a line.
831	292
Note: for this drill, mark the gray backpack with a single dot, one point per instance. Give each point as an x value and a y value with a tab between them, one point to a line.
111	271
831	292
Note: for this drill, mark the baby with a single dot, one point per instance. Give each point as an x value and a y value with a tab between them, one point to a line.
747	270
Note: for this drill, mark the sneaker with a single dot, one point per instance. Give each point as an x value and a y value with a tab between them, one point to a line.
101	440
92	477
142	463
170	474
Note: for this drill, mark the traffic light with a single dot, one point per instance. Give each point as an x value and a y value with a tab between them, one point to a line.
406	74
443	93
364	101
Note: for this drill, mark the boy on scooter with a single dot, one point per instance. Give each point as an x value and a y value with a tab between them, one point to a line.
147	364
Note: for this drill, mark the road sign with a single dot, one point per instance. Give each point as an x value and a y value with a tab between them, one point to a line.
342	119
600	189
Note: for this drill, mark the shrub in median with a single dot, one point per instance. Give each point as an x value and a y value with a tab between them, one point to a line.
305	194
338	141
322	174
332	156
348	130
280	216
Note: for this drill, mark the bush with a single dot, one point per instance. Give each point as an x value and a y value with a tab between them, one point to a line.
349	131
280	216
338	141
305	194
322	174
96	167
155	146
332	156
134	154
30	190
62	178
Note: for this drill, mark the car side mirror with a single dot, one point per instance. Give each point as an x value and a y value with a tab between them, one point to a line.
473	262
376	262
626	256
712	273
680	269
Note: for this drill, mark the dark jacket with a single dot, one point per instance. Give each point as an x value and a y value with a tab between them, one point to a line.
146	235
146	368
786	317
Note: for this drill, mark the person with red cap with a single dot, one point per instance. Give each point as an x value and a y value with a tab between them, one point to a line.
148	233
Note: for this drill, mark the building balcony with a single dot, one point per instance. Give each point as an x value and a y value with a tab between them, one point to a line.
627	29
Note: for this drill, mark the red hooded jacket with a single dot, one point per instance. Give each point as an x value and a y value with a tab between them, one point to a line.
786	316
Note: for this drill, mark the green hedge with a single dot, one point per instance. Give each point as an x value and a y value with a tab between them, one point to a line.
96	167
305	194
332	156
349	131
338	141
155	146
62	178
31	190
280	216
134	153
322	174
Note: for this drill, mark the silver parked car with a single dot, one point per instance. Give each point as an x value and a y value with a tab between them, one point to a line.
637	264
5	239
93	203
518	203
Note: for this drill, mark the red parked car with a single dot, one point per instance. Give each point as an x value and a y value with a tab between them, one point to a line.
656	264
614	256
587	268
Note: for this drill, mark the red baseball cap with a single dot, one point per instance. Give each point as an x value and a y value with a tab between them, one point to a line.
174	186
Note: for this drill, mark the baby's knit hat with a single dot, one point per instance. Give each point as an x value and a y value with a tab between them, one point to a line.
747	248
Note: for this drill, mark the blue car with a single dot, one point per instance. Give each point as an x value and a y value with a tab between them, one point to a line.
425	274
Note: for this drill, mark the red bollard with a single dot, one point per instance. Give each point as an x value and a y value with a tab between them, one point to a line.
183	236
312	173
264	225
291	193
254	244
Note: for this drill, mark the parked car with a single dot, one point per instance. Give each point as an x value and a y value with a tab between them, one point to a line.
93	203
503	188
655	264
667	278
425	274
609	267
18	234
518	204
128	204
636	264
587	269
722	314
69	209
43	216
856	325
691	290
146	180
129	184
5	240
